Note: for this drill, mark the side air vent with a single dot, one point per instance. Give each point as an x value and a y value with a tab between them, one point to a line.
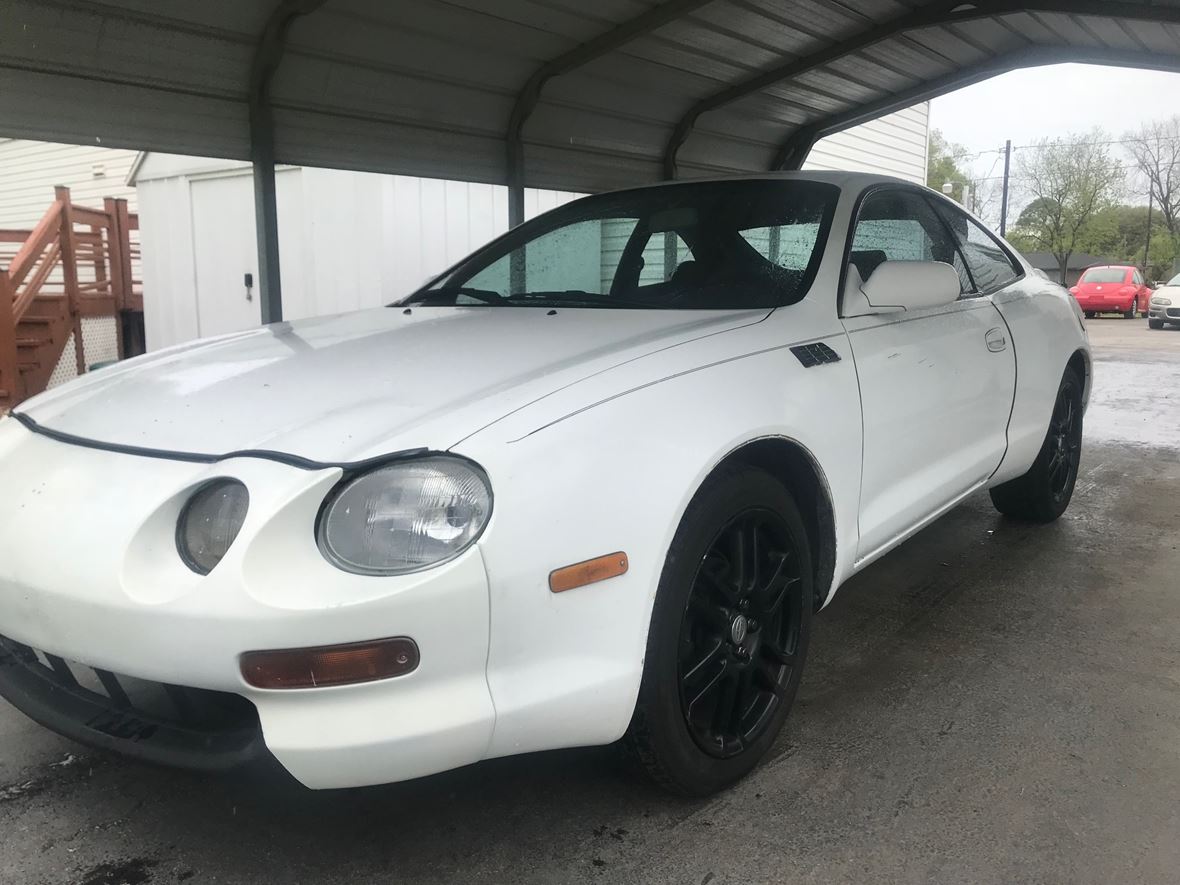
815	354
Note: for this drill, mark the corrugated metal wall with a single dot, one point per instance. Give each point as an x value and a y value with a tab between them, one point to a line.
348	240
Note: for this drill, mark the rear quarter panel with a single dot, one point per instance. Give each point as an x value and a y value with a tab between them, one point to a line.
1047	330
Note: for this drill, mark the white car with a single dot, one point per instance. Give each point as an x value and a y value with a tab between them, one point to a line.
588	485
1164	307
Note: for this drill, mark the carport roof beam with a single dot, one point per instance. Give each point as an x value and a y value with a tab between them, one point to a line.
794	150
946	12
526	100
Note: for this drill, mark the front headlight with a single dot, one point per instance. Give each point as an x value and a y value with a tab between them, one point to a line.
405	517
210	522
1161	301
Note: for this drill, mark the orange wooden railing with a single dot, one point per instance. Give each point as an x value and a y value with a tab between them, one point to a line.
77	262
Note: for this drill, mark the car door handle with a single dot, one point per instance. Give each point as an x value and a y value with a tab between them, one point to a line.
996	340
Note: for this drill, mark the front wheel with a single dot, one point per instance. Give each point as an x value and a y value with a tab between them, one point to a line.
1043	494
728	636
1155	324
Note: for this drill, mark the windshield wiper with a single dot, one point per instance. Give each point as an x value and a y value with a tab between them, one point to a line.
445	296
578	298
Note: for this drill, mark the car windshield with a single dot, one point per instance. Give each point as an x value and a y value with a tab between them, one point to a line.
1174	281
1105	275
712	245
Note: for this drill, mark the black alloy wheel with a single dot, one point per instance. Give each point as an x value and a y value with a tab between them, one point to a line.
729	634
740	633
1065	443
1044	492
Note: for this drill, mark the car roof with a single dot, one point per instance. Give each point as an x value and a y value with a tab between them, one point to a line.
843	179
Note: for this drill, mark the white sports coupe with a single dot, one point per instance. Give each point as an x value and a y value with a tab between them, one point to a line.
589	485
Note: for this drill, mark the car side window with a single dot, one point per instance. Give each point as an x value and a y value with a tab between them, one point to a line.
899	225
663	255
989	263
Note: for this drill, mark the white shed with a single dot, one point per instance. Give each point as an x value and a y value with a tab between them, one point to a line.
350	240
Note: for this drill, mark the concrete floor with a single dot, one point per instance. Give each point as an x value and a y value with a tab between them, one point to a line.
990	703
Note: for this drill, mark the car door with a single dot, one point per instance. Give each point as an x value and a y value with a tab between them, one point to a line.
936	385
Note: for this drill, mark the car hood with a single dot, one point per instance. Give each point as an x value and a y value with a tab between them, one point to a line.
358	385
1170	292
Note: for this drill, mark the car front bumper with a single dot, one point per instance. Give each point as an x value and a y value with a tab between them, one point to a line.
89	573
1166	314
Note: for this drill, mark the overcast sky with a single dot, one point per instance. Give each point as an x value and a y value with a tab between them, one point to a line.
1037	102
1049	102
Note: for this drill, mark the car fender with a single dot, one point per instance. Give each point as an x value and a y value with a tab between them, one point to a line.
616	476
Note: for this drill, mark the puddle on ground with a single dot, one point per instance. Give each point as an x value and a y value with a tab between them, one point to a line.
1136	403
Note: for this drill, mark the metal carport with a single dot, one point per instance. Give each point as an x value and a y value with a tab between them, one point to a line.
530	93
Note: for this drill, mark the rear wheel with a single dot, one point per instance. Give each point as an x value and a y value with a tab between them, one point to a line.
1043	494
728	637
1090	314
1130	314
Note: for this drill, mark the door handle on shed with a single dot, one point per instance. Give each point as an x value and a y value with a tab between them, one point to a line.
996	340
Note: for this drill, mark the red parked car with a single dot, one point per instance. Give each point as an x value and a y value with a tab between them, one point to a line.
1112	288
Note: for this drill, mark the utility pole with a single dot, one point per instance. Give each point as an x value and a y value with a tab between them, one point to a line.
1147	247
1004	198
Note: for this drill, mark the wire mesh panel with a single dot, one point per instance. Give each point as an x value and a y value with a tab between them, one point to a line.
67	366
100	340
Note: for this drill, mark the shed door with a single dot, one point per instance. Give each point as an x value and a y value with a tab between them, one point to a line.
225	250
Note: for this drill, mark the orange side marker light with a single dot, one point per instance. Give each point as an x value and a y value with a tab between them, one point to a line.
589	572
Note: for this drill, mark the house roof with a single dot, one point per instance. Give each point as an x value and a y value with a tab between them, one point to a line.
1077	261
548	93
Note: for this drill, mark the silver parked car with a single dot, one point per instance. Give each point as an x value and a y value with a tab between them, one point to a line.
1165	305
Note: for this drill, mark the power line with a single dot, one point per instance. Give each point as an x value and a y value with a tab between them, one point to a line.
958	156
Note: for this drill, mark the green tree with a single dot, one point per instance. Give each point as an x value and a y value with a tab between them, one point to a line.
1069	180
942	164
1155	150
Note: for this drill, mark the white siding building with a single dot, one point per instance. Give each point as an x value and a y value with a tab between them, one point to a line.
29	171
350	240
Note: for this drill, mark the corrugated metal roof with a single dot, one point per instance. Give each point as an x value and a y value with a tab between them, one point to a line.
639	89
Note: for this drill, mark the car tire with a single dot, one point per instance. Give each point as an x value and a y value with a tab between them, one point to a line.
1130	314
1090	314
688	732
1044	492
1155	324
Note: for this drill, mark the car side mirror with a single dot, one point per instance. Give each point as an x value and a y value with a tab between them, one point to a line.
901	286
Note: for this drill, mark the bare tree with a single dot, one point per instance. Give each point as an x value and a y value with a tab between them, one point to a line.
1156	152
1067	180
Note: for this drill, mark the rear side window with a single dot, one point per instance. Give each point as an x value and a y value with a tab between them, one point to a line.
989	263
897	225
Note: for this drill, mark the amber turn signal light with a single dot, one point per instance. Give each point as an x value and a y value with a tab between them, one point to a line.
589	572
330	664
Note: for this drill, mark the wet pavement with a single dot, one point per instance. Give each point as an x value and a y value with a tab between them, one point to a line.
992	702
